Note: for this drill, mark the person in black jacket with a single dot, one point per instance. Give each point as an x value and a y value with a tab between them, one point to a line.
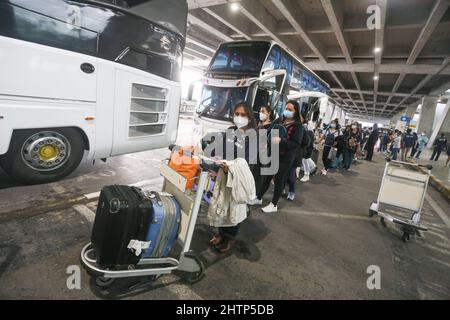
439	145
269	123
448	154
288	148
373	138
298	160
307	162
351	139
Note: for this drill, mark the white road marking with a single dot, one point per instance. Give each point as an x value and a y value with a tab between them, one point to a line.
327	214
441	213
132	156
436	234
92	195
444	252
85	212
144	184
441	262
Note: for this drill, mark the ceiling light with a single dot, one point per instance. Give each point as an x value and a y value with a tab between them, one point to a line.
234	6
377	50
375	78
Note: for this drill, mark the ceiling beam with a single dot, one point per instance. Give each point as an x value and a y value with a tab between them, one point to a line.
298	22
200	43
435	17
224	17
399	80
379	42
335	14
197	53
206	26
256	13
194	4
380	93
422	83
384	68
433	20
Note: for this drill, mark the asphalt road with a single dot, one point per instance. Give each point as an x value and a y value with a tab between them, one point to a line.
317	247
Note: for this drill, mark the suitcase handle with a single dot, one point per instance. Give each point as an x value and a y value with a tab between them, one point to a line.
154	194
115	205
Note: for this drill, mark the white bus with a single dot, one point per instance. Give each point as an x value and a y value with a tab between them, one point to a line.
259	72
101	76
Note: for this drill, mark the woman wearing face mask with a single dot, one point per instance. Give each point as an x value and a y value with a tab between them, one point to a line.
267	123
329	141
351	140
243	120
287	151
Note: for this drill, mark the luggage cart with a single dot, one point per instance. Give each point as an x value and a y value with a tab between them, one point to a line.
188	263
401	197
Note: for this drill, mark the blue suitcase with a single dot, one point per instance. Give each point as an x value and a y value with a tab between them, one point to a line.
163	229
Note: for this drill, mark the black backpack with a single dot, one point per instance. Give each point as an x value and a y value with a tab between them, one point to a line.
306	141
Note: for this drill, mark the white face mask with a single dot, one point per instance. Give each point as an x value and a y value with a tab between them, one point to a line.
240	122
262	116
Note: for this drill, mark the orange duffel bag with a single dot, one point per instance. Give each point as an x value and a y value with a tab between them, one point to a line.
182	162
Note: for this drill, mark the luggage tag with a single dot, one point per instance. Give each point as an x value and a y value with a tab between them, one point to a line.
137	246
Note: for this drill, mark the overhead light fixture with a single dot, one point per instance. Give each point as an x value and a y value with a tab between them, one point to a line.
375	78
377	50
234	6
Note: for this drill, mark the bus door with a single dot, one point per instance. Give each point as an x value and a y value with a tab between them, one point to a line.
267	90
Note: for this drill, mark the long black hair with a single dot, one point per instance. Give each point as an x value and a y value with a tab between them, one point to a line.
296	105
270	111
248	111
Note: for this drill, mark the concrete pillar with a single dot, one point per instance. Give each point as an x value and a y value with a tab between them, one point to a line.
427	115
442	125
445	128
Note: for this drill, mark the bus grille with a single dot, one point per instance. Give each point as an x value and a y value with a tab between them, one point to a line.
148	111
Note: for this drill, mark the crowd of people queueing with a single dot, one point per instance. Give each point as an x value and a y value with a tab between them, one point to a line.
298	150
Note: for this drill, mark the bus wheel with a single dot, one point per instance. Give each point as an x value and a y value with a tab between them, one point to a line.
45	155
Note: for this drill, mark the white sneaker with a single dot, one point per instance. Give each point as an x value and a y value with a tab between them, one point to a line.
270	208
291	196
324	172
255	202
305	178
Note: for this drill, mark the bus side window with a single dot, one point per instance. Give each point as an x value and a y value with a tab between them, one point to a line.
273	60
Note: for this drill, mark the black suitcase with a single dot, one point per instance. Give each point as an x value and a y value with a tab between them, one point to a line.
123	213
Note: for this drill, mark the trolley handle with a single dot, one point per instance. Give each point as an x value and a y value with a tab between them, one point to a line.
428	166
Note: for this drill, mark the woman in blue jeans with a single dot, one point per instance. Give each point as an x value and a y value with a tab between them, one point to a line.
351	140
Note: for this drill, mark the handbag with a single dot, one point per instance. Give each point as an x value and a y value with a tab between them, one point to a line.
332	154
182	162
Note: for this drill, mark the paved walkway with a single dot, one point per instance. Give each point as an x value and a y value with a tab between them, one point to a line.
439	171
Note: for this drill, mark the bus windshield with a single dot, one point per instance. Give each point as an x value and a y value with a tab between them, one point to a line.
240	57
217	103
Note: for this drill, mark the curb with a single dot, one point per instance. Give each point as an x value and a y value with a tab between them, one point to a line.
438	184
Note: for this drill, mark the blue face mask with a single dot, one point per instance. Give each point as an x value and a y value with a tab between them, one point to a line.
288	114
333	125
